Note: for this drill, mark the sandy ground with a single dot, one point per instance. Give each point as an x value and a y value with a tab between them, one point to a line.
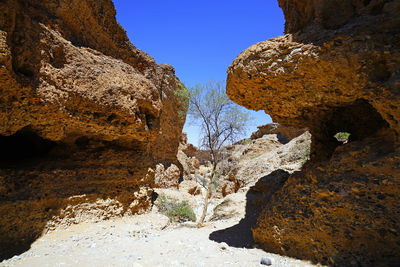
141	241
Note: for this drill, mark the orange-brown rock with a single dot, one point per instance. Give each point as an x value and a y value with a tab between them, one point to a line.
318	76
83	116
284	133
190	187
337	69
343	211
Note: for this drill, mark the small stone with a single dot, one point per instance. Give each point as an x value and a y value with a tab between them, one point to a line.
92	245
265	261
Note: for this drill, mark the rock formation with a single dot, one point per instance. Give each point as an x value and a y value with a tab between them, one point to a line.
337	69
83	116
284	133
166	178
188	158
245	162
241	164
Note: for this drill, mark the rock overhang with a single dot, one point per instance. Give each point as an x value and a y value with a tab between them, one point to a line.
335	70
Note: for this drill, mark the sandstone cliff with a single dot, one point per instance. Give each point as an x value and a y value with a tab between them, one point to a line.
337	69
83	116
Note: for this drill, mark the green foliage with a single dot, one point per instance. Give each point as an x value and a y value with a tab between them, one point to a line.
202	180
175	210
182	94
342	136
245	141
215	181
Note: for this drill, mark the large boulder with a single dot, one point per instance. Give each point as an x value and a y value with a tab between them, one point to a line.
85	116
337	69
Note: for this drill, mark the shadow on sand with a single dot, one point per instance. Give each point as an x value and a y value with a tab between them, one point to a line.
42	181
240	235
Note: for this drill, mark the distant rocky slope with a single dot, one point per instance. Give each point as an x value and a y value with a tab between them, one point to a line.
337	69
83	116
242	164
245	162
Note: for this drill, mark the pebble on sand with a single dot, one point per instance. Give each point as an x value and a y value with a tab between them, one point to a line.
265	261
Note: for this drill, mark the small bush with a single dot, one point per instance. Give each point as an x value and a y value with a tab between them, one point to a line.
182	95
307	154
342	136
175	210
216	182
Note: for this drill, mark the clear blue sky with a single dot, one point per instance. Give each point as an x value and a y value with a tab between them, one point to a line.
200	38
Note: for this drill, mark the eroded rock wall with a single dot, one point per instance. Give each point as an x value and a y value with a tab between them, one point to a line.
83	116
284	133
337	69
323	78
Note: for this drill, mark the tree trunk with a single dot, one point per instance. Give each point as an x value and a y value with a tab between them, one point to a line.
203	215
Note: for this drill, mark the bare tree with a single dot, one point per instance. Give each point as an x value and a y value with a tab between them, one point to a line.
221	122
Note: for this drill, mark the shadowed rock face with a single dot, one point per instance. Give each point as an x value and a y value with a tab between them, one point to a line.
82	113
337	69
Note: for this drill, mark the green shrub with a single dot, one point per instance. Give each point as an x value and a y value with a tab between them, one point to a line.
205	181
215	183
175	210
182	95
342	136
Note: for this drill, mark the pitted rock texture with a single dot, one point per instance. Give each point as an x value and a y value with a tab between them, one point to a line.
311	78
342	212
337	69
91	80
82	113
283	133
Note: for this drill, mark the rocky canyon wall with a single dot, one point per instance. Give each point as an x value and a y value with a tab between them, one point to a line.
336	69
84	114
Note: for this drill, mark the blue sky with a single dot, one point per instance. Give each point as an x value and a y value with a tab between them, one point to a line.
200	38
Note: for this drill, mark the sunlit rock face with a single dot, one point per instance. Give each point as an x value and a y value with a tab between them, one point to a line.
336	69
83	116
